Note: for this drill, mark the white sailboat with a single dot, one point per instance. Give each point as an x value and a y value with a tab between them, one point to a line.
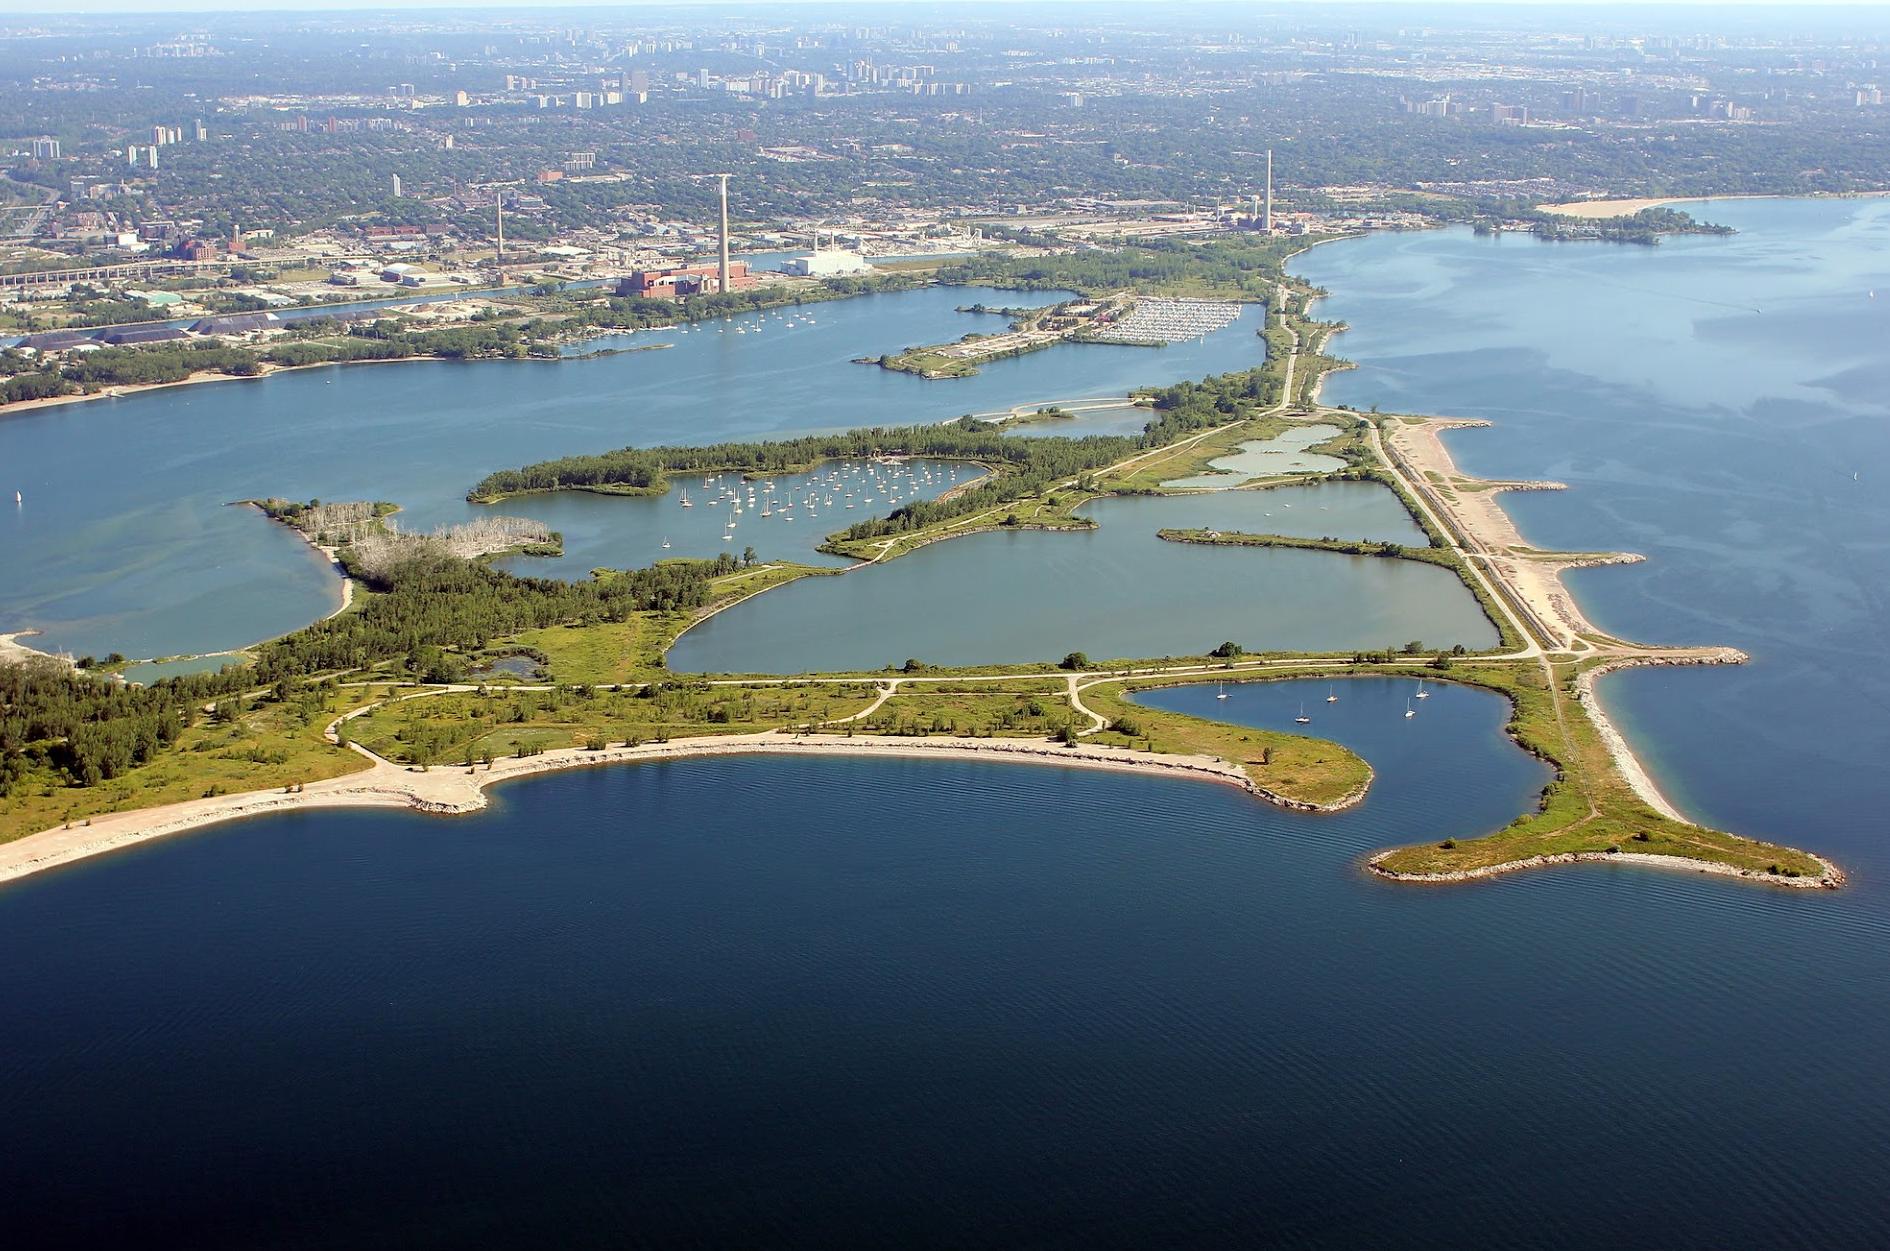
666	545
1421	692
1408	710
1332	696
1223	694
685	498
1302	718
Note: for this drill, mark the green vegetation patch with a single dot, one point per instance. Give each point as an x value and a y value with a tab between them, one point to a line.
1294	767
471	727
1589	806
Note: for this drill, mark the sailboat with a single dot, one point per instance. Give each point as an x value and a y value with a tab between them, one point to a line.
685	498
1421	692
666	545
1332	696
1408	710
1223	694
1302	718
18	498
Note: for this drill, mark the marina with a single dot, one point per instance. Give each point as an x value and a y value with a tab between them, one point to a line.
1158	322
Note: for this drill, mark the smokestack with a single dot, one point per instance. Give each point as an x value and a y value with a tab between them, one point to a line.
724	271
498	203
1266	216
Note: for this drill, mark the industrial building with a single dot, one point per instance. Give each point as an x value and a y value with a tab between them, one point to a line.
677	281
235	323
832	262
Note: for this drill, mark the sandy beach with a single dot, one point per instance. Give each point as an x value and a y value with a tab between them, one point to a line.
120	392
450	789
1535	579
1599	210
1472	507
11	649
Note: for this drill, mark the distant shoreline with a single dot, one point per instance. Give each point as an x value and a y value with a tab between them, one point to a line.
1603	210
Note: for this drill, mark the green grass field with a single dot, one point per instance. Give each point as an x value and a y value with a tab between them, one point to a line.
267	745
1292	766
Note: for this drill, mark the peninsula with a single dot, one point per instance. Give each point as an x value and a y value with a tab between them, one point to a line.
408	697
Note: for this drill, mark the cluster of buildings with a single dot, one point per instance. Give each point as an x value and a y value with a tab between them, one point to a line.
1447	106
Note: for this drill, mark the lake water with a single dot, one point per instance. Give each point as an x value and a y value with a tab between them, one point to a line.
1284	453
825	1002
124	542
1719	404
158	670
938	1005
1115	591
627	532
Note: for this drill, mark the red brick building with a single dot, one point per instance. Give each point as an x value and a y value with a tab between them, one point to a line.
677	281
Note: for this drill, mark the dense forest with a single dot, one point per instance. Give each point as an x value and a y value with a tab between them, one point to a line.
638	470
1236	267
88	728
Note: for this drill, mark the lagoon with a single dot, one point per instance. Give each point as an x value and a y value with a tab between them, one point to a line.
1006	597
1284	453
628	532
124	542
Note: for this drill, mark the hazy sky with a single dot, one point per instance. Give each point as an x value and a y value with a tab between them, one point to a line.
22	7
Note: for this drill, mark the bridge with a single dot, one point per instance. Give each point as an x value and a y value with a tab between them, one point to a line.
154	267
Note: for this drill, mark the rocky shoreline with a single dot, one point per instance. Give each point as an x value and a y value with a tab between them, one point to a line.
1832	879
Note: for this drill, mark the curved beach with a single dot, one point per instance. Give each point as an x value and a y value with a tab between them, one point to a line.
453	789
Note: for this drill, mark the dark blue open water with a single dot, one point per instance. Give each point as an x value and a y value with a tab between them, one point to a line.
824	1002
